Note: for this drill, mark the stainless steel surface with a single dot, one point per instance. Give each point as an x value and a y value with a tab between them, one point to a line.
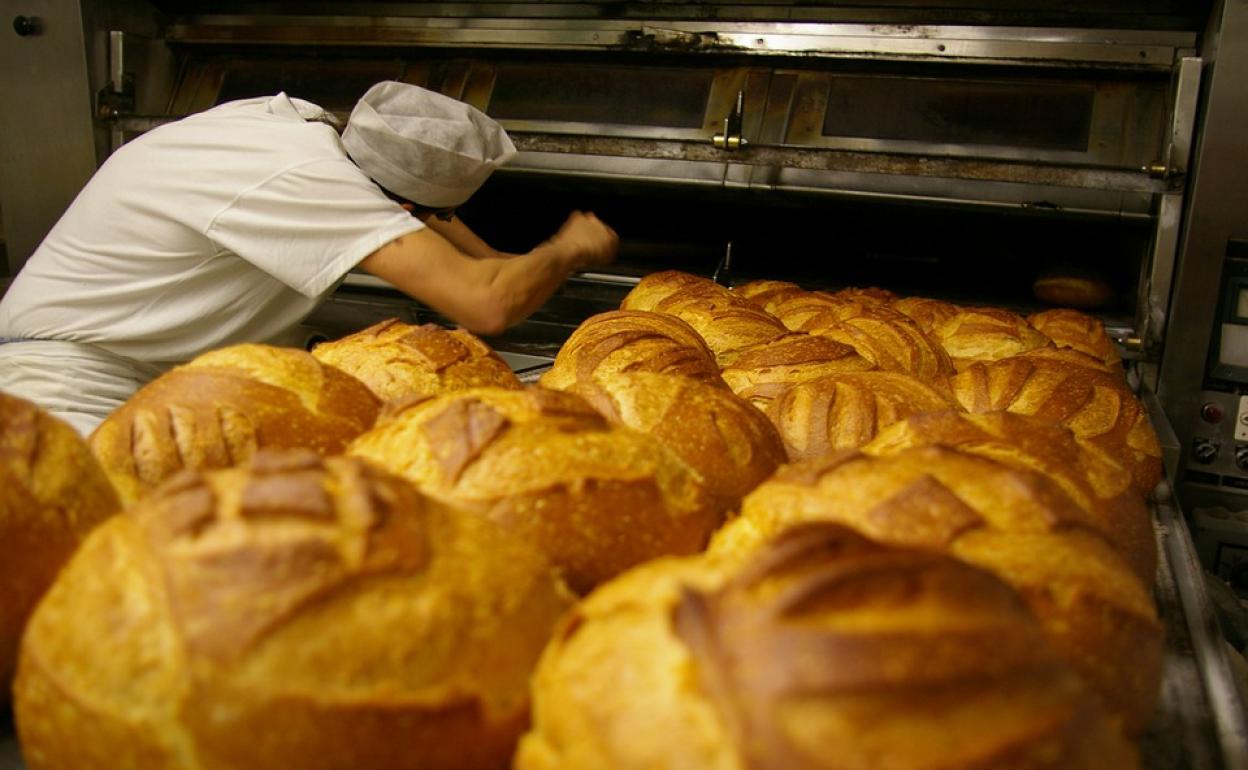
47	149
1216	211
979	44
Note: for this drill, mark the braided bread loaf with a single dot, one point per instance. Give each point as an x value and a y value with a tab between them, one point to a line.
547	467
1015	523
291	612
823	651
52	493
221	407
397	360
631	341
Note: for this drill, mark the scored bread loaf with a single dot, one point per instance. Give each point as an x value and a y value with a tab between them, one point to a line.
986	334
762	373
925	312
1093	480
1078	331
547	467
863	295
1074	390
291	612
729	445
889	340
844	411
727	322
52	493
814	310
1073	288
223	406
399	360
823	651
631	341
1015	523
769	294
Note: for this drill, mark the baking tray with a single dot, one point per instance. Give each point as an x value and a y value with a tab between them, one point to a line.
1199	723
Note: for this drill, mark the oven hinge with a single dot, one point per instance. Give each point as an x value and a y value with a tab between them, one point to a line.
732	139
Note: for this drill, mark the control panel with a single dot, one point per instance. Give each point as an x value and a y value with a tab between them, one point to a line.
1218	455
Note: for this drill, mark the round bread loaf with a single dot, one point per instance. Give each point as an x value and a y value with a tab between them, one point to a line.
1073	288
1088	476
400	360
814	310
768	294
844	411
1078	331
824	651
762	373
223	406
729	445
597	499
986	334
1080	394
631	341
291	612
52	493
889	340
925	312
869	295
1015	523
727	322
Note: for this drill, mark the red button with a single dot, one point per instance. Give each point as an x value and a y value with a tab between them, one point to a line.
1211	413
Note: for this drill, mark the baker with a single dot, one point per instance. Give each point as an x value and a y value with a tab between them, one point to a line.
233	224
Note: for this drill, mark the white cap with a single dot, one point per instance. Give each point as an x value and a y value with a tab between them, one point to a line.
431	149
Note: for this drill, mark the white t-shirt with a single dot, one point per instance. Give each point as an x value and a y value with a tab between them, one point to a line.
227	226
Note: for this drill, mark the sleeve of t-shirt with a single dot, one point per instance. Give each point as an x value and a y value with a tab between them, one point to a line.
308	225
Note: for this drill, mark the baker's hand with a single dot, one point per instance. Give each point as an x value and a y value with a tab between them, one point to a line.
587	241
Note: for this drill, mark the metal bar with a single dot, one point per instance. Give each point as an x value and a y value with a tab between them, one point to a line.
1183	114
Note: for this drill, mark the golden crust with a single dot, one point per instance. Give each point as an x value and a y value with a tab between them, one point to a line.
400	360
1099	484
1079	331
925	312
52	493
223	406
762	373
291	612
729	445
889	340
726	321
1094	403
597	499
823	650
986	334
631	341
768	294
818	417
1015	523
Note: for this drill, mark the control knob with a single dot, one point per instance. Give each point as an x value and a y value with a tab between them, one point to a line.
1241	456
1204	450
25	26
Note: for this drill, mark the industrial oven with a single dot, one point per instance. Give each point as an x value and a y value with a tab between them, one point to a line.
969	153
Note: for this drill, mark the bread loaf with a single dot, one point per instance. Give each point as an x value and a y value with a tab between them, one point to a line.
542	463
1088	476
844	411
986	334
768	294
823	651
814	310
291	612
727	322
1078	331
728	445
925	312
398	360
762	373
1073	288
1015	523
890	341
631	341
217	410
1093	403
52	493
869	295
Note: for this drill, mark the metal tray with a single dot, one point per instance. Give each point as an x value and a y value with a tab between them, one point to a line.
1200	720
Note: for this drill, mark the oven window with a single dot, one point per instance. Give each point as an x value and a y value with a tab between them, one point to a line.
670	98
1051	116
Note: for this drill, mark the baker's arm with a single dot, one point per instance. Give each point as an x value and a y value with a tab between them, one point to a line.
462	237
488	294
